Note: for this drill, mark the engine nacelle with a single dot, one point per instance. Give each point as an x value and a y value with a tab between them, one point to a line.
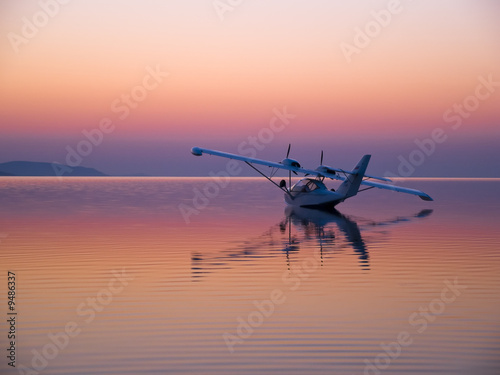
290	162
325	169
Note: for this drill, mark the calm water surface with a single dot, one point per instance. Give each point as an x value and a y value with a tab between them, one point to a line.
112	279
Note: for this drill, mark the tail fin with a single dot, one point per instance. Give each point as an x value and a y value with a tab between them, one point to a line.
350	187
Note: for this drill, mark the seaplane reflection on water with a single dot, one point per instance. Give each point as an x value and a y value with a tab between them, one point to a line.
326	231
317	223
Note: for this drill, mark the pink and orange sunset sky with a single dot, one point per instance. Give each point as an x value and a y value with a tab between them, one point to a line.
222	72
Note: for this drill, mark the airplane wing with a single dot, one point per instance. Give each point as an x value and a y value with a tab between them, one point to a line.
399	189
326	171
198	151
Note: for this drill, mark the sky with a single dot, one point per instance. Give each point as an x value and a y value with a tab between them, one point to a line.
129	87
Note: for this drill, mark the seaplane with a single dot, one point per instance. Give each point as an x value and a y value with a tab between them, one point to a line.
311	191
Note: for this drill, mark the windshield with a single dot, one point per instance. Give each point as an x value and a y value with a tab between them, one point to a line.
308	185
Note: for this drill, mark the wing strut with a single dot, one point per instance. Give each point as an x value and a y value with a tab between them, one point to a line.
368	188
268	178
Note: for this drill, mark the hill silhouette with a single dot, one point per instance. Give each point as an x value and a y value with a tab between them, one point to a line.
32	168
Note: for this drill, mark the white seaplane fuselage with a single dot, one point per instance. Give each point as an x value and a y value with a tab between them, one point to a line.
310	192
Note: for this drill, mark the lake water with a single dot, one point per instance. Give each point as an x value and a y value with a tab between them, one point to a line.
112	278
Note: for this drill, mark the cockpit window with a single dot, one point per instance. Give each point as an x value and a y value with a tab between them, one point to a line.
312	185
300	186
308	185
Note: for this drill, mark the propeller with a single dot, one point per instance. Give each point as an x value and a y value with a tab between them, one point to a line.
320	162
323	168
289	173
291	162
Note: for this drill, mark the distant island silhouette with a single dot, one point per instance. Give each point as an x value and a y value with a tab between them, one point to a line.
32	168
